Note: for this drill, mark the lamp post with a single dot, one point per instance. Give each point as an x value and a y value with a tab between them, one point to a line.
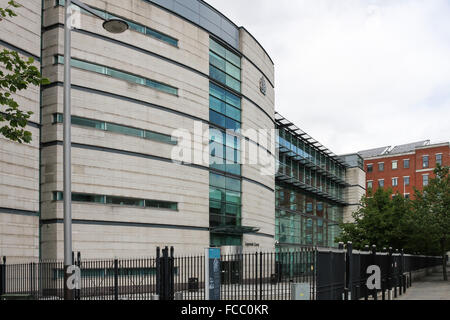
114	26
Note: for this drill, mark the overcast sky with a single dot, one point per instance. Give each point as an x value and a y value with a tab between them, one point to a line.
356	74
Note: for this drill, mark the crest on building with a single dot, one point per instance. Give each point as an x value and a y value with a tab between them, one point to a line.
263	85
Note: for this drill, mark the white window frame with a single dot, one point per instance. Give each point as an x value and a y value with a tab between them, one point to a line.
428	180
396	165
404	178
396	179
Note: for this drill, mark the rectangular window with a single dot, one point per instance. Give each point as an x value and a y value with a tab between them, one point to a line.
394	165
381	183
224	201
394	182
103	199
225	66
426	180
370	185
439	159
406	163
407	196
225	108
119	75
406	181
369	168
381	166
426	162
120	129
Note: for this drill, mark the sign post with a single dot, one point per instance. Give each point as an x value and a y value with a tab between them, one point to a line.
212	274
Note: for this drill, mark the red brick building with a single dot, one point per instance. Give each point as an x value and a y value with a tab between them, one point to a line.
404	167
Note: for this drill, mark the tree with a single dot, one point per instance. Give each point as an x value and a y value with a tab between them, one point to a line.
15	75
432	209
382	221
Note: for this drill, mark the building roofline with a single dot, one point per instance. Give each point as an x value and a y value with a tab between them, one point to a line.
436	145
237	27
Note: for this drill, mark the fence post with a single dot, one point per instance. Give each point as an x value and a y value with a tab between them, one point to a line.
171	274
116	279
78	264
374	260
402	271
260	276
349	271
3	277
165	280
256	275
396	277
158	272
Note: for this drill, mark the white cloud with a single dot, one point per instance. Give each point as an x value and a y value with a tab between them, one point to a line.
356	74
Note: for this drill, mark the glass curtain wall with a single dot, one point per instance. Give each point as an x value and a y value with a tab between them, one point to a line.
225	146
309	194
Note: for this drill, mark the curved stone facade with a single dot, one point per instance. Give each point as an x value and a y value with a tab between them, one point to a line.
130	93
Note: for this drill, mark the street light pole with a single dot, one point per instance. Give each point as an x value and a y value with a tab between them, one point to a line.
113	25
67	163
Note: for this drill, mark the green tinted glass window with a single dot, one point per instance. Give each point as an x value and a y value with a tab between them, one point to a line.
125	201
225	66
88	123
77	197
161	204
217	180
124	130
160	137
119	75
233	184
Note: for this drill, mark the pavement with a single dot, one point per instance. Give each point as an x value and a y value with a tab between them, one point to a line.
431	287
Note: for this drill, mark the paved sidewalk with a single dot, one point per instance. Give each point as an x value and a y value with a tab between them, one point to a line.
429	288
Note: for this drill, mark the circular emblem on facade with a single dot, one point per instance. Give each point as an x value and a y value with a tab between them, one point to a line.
263	85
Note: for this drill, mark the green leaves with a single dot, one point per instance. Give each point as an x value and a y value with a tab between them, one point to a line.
19	76
418	225
8	11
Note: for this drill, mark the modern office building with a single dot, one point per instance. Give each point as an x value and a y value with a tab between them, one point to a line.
313	190
181	67
164	118
405	167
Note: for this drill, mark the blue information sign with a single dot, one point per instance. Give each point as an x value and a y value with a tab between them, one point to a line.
213	272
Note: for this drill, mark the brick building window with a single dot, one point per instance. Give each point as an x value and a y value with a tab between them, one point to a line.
439	159
406	164
426	162
394	182
370	168
394	165
381	183
381	167
426	180
369	184
406	181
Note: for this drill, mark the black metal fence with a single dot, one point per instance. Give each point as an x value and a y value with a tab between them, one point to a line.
246	276
332	274
343	273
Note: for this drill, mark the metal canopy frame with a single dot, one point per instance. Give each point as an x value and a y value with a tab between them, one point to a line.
283	123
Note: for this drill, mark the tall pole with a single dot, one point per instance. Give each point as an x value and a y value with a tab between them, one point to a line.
67	163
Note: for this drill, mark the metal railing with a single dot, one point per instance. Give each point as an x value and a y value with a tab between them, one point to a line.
246	276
